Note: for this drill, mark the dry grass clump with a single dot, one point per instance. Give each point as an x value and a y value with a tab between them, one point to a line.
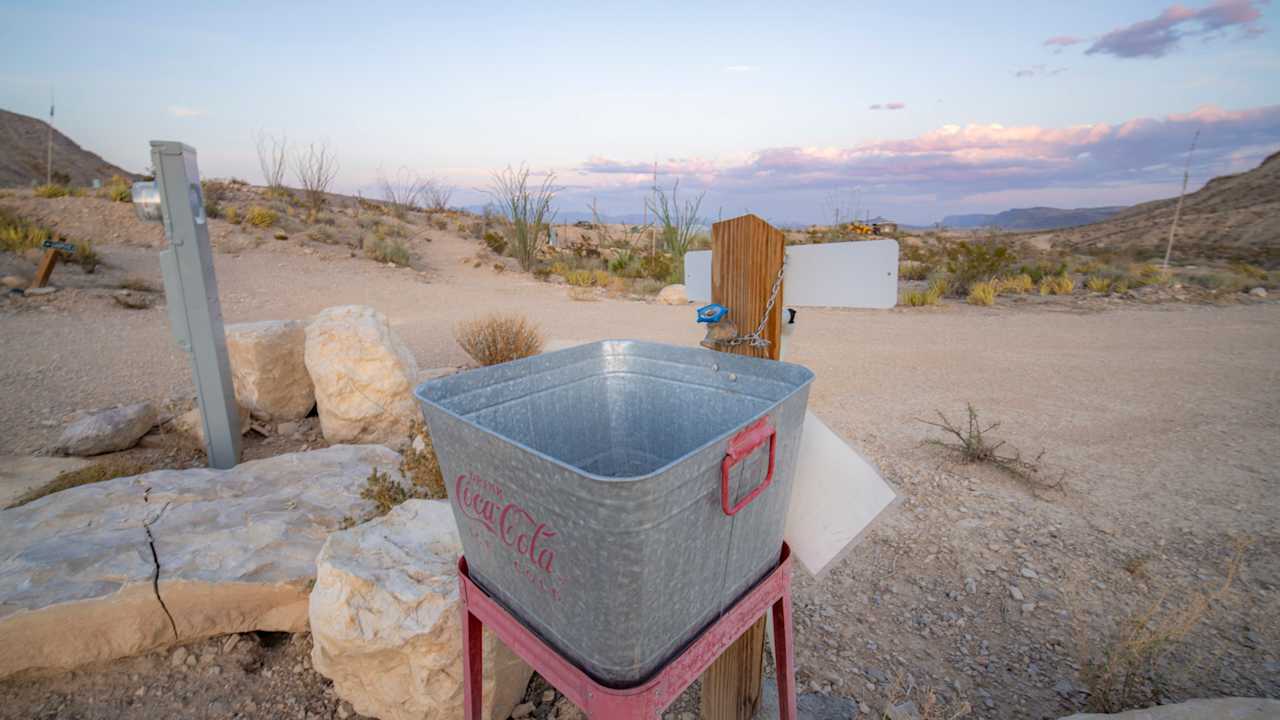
138	284
1017	284
1098	284
117	190
1123	672
583	294
389	251
86	257
97	472
260	217
983	293
1251	272
16	234
1057	285
420	467
973	446
911	270
498	338
52	190
586	278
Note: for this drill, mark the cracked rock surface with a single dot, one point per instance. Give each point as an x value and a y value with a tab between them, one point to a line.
236	550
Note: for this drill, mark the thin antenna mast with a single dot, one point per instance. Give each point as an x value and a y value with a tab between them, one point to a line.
1177	212
48	159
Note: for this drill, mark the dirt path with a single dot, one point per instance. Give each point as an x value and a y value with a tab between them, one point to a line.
1164	419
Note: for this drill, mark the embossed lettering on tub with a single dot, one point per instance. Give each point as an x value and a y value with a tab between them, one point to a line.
517	528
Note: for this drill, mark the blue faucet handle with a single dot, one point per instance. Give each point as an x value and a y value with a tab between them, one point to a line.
712	313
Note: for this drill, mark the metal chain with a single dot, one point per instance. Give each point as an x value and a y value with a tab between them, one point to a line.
754	339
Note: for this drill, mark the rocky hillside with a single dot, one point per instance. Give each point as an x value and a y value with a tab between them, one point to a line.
1036	218
1233	217
22	154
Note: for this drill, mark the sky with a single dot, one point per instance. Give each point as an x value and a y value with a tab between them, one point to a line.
794	111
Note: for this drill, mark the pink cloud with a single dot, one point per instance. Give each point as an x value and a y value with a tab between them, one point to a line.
888	106
959	160
1161	35
1062	41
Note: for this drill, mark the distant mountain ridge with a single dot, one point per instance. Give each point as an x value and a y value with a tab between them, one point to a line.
23	147
1035	218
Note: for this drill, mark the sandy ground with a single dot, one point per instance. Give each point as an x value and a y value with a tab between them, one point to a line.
1165	420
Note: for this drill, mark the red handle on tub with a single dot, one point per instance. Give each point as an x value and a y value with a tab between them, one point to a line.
742	445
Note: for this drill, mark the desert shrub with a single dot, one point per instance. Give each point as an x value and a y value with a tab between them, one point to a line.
583	294
1039	271
677	222
117	190
580	278
232	215
1098	283
97	472
939	285
1149	274
321	234
1057	285
1251	272
913	271
215	193
1120	287
600	278
260	217
421	466
498	338
1090	267
983	293
541	272
1123	671
919	298
1218	281
1018	284
315	170
499	267
440	223
527	209
657	266
86	257
973	445
647	286
974	262
52	190
622	263
389	251
17	234
495	242
560	268
138	284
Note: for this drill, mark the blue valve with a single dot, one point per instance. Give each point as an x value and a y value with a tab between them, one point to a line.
712	313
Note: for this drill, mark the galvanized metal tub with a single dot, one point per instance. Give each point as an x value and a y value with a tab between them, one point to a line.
619	496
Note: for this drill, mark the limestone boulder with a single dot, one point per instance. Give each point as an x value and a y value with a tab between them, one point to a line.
236	551
269	369
107	430
385	620
191	424
673	295
363	376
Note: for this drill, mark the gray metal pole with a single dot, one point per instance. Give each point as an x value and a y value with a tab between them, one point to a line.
192	294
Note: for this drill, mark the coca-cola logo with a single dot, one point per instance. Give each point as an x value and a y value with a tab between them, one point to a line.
486	503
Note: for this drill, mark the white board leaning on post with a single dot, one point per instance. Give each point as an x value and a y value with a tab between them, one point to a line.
860	274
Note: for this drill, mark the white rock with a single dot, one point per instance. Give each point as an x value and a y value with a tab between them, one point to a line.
363	375
191	424
269	369
1258	292
673	295
385	620
107	430
236	547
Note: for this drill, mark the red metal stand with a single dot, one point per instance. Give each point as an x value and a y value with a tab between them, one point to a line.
646	701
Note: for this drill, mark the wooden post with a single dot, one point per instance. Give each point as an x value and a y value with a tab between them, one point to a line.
45	269
746	256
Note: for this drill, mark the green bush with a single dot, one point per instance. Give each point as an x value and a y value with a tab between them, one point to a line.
261	217
657	266
495	242
972	263
913	270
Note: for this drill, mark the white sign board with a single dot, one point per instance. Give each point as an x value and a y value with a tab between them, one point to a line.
862	274
834	498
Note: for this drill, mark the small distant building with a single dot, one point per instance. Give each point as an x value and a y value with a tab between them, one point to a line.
884	227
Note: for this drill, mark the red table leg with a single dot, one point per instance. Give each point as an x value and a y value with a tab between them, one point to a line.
646	701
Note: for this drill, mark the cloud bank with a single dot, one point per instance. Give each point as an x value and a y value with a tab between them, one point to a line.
955	161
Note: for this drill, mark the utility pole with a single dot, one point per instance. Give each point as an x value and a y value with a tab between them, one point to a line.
48	159
1177	211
